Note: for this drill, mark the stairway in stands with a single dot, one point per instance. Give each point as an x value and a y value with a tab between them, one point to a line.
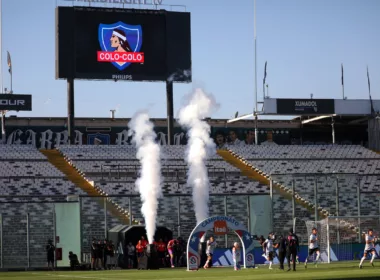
58	160
248	171
245	169
254	173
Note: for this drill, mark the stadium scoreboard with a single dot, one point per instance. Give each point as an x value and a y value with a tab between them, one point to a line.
122	44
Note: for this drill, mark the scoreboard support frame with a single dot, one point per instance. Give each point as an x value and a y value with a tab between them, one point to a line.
70	111
169	104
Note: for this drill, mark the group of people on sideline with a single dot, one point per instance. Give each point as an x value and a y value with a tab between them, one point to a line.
170	253
102	254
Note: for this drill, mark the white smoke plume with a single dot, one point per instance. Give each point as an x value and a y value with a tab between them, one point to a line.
149	182
179	75
200	147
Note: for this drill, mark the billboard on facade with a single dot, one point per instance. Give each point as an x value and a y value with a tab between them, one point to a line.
15	102
305	106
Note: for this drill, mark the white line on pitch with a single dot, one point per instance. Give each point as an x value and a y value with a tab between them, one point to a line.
72	276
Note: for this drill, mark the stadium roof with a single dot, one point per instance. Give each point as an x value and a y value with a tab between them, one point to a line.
337	118
309	110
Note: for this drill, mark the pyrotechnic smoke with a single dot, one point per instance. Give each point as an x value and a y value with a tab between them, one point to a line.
180	74
199	148
149	182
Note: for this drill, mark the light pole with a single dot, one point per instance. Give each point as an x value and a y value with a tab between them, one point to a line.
3	127
9	62
3	141
1	47
256	110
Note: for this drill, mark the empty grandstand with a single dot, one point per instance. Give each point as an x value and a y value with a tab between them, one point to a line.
326	180
31	183
264	186
114	169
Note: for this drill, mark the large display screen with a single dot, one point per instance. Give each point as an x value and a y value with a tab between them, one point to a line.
123	44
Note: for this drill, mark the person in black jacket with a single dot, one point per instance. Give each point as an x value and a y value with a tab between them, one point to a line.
105	253
100	254
292	248
94	249
50	249
74	261
111	254
282	251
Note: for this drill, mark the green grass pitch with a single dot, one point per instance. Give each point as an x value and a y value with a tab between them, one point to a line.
349	270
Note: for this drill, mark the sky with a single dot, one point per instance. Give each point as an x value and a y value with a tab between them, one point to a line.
304	43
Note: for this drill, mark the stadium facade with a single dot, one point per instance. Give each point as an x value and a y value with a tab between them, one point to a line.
51	132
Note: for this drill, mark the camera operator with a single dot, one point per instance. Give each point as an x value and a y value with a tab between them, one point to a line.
74	262
50	249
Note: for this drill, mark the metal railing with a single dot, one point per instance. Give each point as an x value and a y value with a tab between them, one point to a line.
338	194
26	225
169	171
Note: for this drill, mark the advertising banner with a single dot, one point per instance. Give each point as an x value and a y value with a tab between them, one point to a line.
305	106
15	102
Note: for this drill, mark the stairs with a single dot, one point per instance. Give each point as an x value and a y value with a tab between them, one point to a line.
58	160
254	173
246	170
249	171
